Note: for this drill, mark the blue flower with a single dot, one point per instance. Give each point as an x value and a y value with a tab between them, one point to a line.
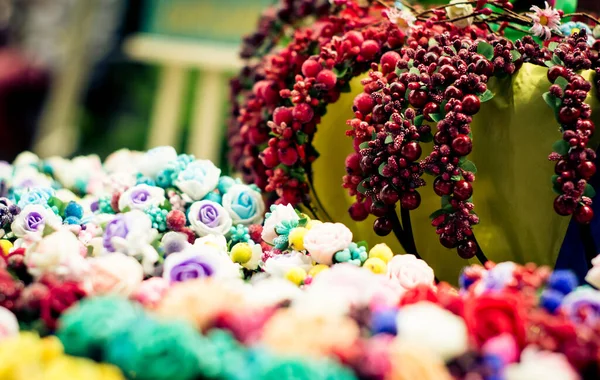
36	196
244	204
568	28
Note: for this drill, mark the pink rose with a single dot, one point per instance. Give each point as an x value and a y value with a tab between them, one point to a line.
150	292
408	271
324	240
115	273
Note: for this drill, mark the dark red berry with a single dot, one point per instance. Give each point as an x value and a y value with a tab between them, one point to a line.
586	125
471	104
462	145
282	115
448	241
557	71
430	109
389	195
288	156
410	200
310	68
418	98
412	151
388	61
462	190
453	93
269	157
467	249
378	209
358	212
564	206
327	78
369	49
382	226
586	169
584	214
355	37
303	113
364	103
568	115
442	187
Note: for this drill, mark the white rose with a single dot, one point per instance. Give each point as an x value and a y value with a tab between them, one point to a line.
198	179
215	241
33	219
460	10
325	239
58	253
271	291
208	217
408	272
427	325
279	265
593	275
29	177
9	325
26	159
156	159
141	197
174	242
278	214
114	273
123	161
541	365
244	204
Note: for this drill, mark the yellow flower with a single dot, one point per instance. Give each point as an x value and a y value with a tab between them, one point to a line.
381	251
317	269
296	238
375	265
5	246
241	253
296	275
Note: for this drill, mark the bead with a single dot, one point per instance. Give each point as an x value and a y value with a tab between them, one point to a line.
358	212
74	209
551	300
342	256
471	104
72	220
462	190
412	151
375	265
327	78
442	187
411	200
296	238
175	220
381	251
5	247
586	169
418	98
467	249
382	226
384	322
447	241
584	214
430	109
310	68
241	253
557	71
563	206
296	275
563	281
364	103
317	269
389	195
462	145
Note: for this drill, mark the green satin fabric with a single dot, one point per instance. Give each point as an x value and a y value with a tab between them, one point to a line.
512	137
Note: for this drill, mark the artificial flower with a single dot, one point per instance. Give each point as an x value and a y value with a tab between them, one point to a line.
33	219
279	265
427	325
174	242
156	159
458	9
410	362
278	214
141	197
209	218
408	272
405	19
244	204
537	364
35	196
324	240
114	273
545	21
568	28
198	179
9	326
194	263
215	241
593	275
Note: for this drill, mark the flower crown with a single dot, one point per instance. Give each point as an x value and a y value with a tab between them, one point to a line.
428	75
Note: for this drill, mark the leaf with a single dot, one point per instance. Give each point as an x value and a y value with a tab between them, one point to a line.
411	63
381	167
456	178
361	187
552	45
426	137
437	213
469	166
301	137
414	70
363	243
445	201
515	55
561	147
549	64
589	191
562	82
557	61
364	145
436	117
432	42
487	95
552	101
340	73
389	139
485	49
418	120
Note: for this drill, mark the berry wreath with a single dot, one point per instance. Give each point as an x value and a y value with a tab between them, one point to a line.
409	85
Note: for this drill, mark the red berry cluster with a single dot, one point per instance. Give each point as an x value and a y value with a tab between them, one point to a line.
574	160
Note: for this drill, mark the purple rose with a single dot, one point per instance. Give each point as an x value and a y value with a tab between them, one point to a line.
116	228
33	221
209	218
140	196
209	215
188	265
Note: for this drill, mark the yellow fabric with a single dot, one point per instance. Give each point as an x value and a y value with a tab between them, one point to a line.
512	137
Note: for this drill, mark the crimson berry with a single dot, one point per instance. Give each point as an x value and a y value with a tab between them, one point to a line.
430	109
310	68
303	113
269	157
382	226
471	104
389	195
557	71
448	241
586	169
389	60
418	98
412	151
453	92
462	145
364	103
462	190
282	115
584	214
561	167
369	49
586	125
378	209
353	163
327	78
255	231
442	187
358	212
410	200
355	37
568	115
191	235
288	156
564	206
467	249
175	220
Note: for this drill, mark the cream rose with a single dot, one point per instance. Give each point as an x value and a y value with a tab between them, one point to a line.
545	365
198	179
279	265
593	275
209	218
156	159
114	273
460	10
278	214
408	271
324	240
141	197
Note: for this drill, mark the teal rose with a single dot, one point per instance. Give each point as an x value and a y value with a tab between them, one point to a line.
244	204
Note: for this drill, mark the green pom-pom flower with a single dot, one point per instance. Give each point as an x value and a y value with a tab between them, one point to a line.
158	216
104	206
239	234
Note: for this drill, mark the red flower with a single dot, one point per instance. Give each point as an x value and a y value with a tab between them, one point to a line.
10	289
59	298
494	314
417	294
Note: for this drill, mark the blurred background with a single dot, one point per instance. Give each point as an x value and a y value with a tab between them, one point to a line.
94	76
